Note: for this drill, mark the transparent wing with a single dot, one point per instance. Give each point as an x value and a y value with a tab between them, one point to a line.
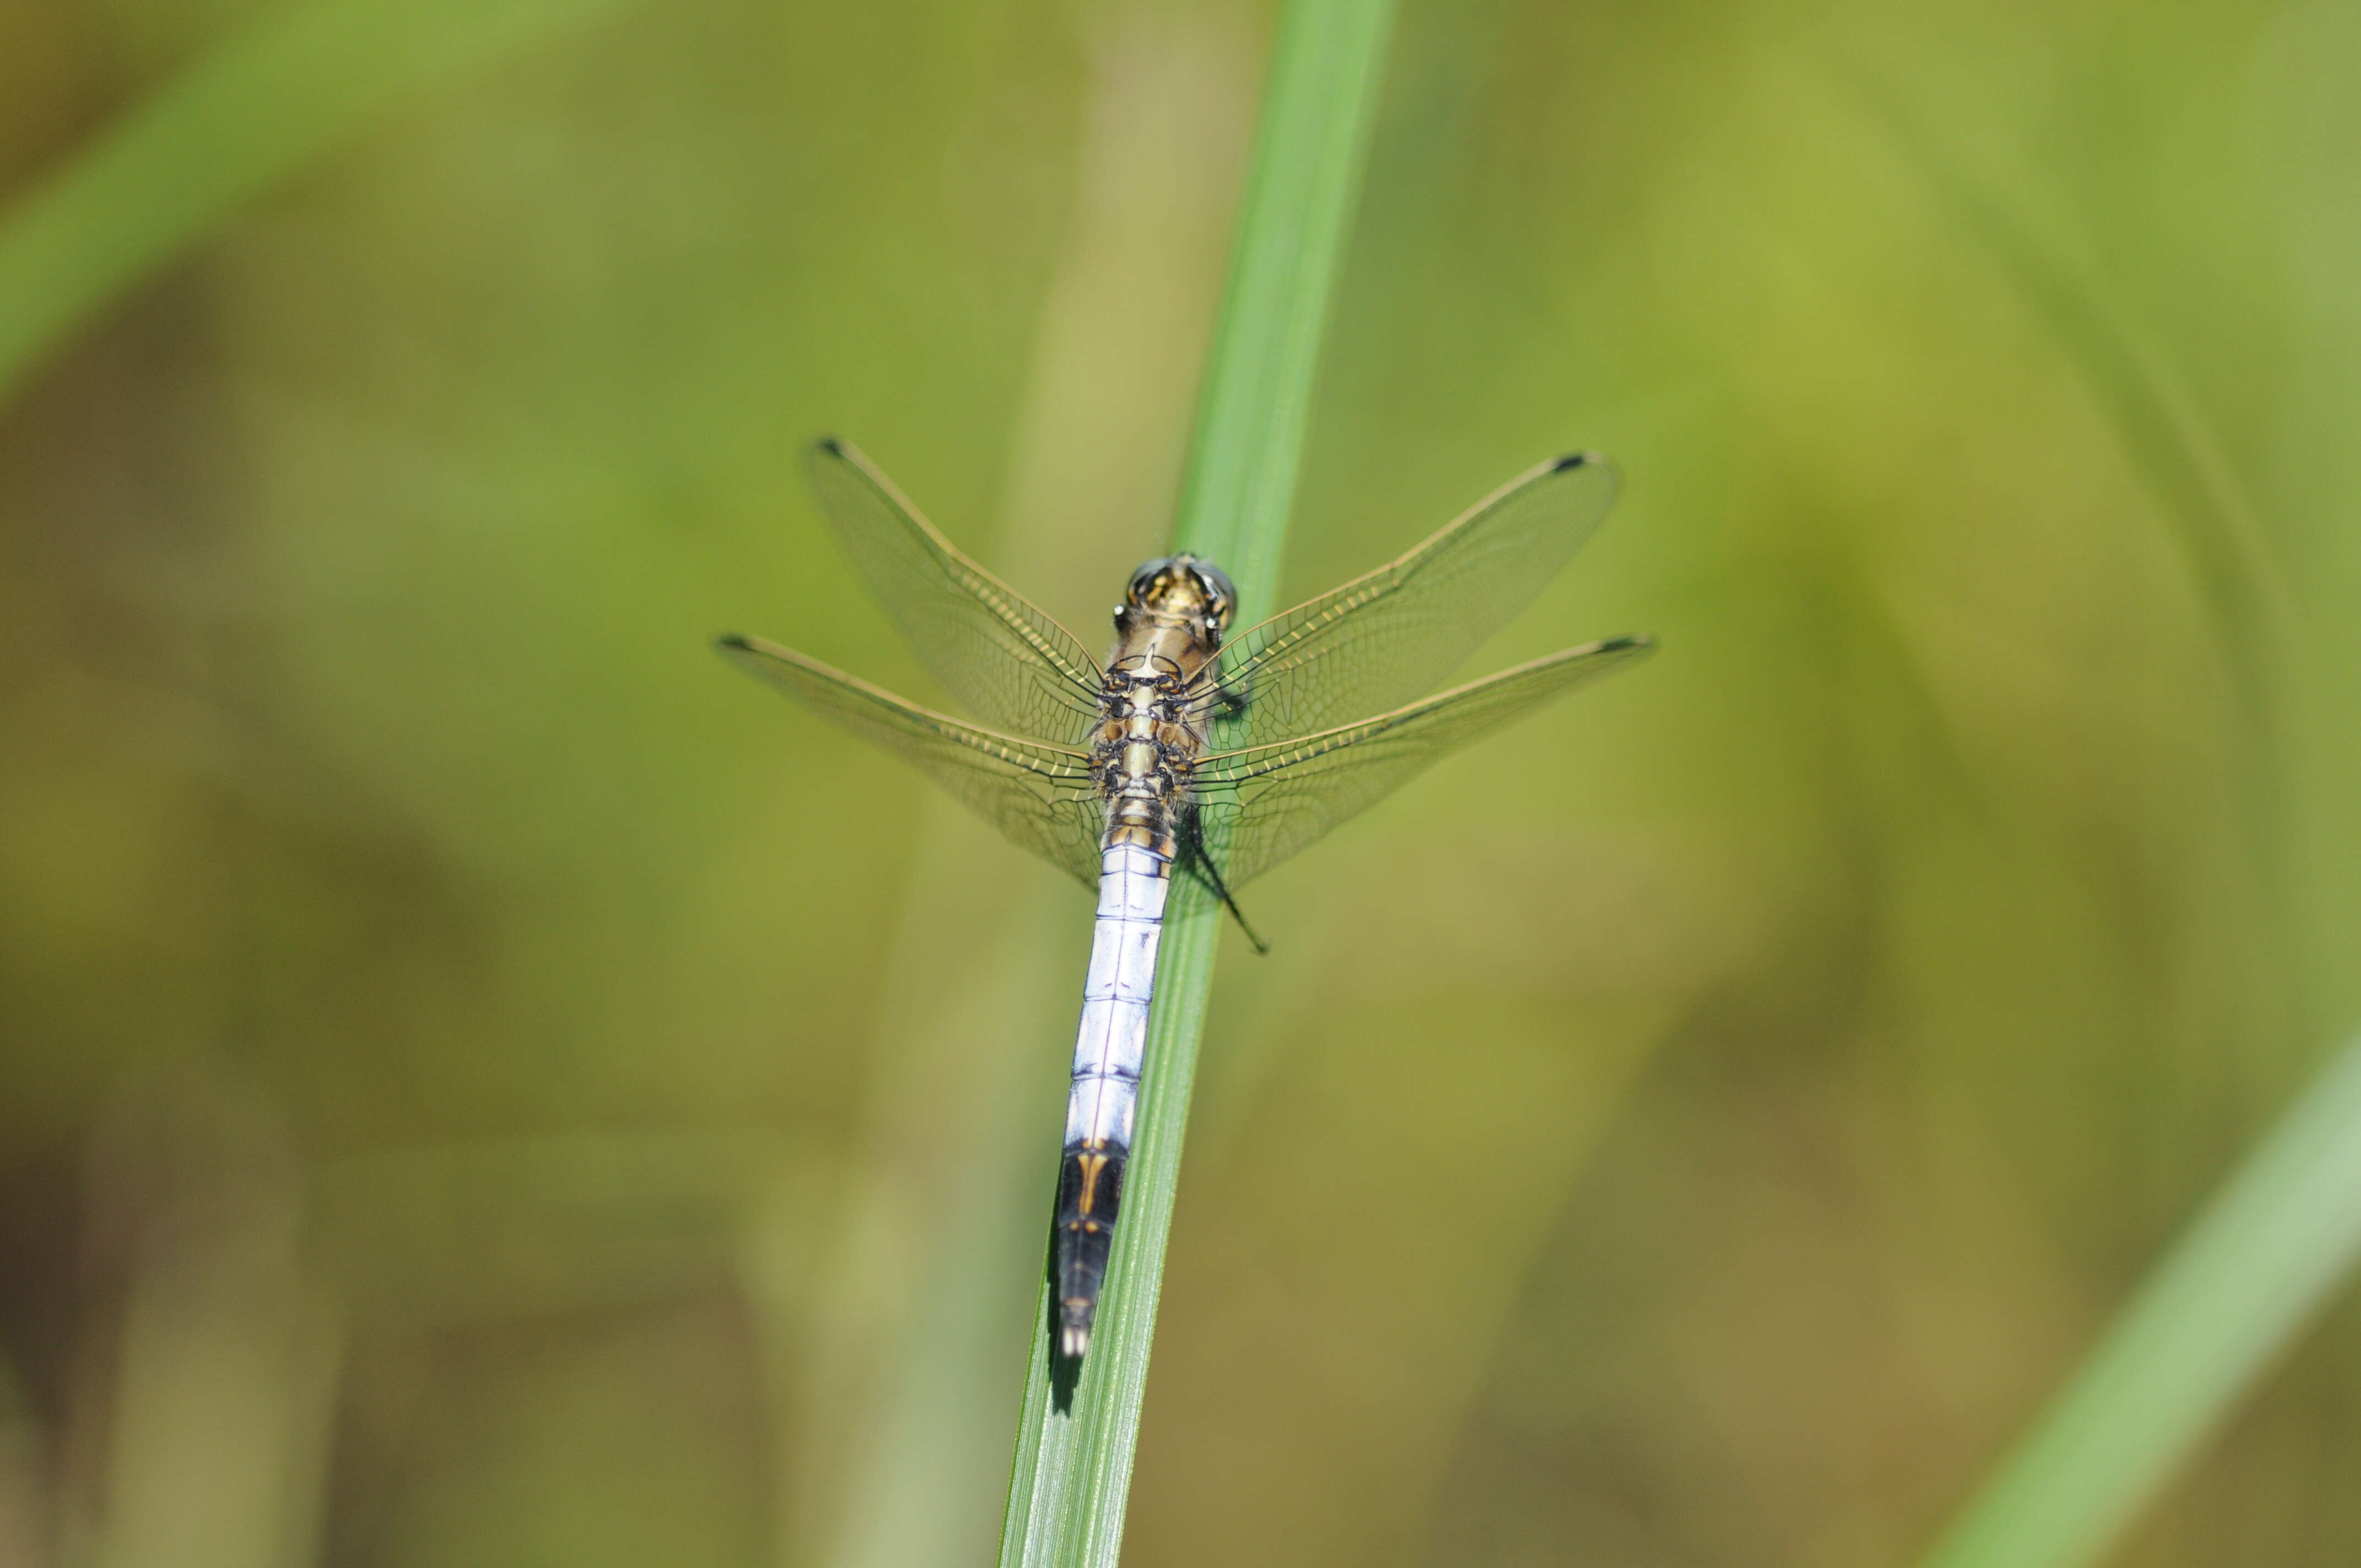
1039	797
1262	804
1397	633
998	655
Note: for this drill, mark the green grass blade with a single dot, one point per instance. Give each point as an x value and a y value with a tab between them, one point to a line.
1073	1473
2239	1285
249	112
1309	148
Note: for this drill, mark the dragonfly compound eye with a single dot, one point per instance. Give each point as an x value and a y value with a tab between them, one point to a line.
1149	582
1182	585
1220	596
1217	582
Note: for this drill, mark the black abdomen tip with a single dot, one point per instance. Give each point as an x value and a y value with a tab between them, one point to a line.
1090	1196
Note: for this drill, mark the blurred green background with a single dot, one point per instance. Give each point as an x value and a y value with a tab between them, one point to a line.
481	1083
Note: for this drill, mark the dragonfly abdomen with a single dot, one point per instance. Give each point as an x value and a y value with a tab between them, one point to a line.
1132	881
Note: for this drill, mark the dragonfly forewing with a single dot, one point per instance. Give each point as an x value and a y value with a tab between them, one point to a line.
999	656
1392	635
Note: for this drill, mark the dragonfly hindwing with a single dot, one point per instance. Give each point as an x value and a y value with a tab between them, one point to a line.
1400	631
1263	804
995	650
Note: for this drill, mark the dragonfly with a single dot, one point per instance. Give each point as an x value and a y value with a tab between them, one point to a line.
1187	751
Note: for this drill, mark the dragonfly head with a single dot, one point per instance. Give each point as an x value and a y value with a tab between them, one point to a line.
1183	588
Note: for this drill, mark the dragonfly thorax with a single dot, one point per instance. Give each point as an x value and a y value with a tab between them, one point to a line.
1149	734
1147	740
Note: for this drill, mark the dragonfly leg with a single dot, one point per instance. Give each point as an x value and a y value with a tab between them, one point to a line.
1199	863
